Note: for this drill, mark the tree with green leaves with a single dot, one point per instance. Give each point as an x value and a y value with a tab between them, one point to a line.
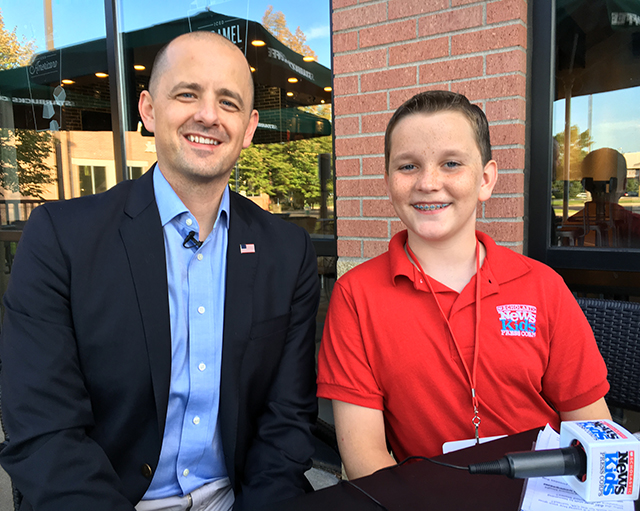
287	172
23	153
25	170
578	149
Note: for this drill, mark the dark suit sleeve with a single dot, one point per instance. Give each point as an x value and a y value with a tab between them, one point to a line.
46	406
282	448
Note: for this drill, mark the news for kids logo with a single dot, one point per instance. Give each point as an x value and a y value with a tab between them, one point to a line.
518	320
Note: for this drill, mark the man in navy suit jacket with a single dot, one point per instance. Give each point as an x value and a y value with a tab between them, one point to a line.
87	340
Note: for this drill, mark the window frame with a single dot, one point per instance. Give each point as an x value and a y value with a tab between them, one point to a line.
543	23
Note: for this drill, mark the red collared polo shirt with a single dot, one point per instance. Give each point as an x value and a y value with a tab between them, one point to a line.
385	346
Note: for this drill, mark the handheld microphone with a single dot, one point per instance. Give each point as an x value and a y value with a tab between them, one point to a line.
570	461
191	237
599	461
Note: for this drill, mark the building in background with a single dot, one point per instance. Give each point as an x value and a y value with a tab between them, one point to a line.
69	122
558	79
555	78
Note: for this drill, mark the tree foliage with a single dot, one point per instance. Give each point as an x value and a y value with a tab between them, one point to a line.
276	24
632	185
25	170
578	149
13	53
23	153
287	172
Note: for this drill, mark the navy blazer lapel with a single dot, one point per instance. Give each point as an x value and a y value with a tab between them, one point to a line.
238	311
143	239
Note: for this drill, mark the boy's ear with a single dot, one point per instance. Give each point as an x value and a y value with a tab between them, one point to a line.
489	178
386	182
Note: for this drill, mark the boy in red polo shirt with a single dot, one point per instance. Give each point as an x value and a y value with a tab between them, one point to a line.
447	336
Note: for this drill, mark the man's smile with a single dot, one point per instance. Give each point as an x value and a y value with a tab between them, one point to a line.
202	140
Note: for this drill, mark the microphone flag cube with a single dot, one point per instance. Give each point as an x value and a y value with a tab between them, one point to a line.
612	460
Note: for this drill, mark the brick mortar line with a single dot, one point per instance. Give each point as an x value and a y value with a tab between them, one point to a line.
377	155
438	60
506	244
456	80
449	34
459	80
375	112
380	198
424	39
418	17
367	113
359	178
508	146
417	64
376	218
448	83
500	220
419	38
352	7
354	238
381	133
353	258
507	122
363	198
442	60
351	238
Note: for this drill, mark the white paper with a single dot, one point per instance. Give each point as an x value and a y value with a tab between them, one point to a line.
553	493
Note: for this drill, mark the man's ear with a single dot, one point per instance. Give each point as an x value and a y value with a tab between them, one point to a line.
251	129
489	178
145	107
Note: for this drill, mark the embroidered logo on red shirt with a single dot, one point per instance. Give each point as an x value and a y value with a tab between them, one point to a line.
518	320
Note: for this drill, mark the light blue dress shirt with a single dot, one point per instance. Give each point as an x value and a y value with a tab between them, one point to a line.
191	454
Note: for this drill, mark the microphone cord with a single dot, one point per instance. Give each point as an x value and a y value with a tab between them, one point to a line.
406	460
368	495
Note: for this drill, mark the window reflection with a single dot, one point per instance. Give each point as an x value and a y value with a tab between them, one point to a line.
597	124
56	134
287	169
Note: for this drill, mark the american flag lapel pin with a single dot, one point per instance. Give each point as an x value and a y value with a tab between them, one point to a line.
249	248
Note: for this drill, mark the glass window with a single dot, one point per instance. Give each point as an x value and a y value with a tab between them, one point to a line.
288	168
92	179
596	125
56	107
55	110
135	172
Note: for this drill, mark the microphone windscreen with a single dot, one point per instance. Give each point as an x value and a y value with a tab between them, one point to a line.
612	460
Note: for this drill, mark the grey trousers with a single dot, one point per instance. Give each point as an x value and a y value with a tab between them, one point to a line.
215	496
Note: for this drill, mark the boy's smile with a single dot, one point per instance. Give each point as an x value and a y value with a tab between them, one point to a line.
436	176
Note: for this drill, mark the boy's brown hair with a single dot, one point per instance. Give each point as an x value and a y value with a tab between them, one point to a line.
431	102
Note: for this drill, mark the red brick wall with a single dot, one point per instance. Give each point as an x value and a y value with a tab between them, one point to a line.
386	51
